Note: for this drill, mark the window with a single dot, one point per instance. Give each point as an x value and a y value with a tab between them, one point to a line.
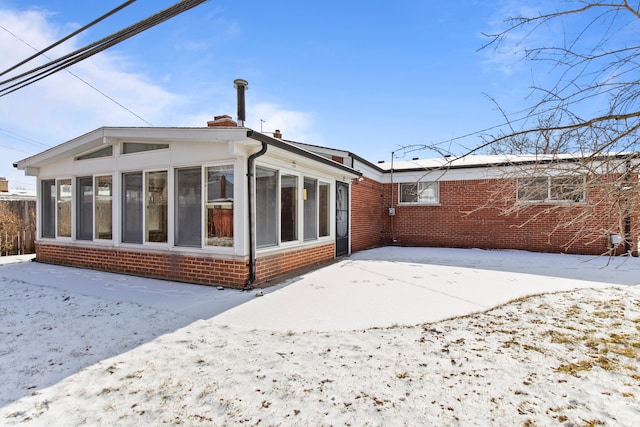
420	192
64	207
569	189
188	205
48	210
551	189
84	208
310	208
533	189
219	206
288	208
132	207
136	147
104	203
266	207
324	209
156	207
102	152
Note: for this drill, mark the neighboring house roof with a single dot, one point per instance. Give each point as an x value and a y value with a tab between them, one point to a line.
13	194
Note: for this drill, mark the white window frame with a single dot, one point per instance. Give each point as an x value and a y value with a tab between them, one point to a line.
422	188
205	204
549	184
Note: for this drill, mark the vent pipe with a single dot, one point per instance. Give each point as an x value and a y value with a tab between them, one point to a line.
241	86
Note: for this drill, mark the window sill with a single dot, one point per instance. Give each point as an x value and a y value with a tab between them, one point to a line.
552	202
418	204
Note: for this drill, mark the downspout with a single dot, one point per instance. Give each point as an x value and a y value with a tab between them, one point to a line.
250	191
627	219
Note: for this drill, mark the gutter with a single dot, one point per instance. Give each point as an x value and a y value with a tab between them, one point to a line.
252	226
278	143
275	142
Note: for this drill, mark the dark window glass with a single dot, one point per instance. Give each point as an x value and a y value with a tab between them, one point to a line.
188	221
48	211
132	207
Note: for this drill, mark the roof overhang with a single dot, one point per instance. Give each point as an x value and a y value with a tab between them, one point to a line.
107	135
295	149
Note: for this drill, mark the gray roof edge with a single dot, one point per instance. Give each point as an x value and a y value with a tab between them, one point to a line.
290	147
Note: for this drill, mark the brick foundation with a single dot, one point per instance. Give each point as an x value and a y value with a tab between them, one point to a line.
271	266
170	265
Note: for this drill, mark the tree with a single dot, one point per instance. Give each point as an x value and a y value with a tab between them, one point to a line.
587	104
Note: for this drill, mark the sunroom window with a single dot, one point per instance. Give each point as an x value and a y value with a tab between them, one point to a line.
288	208
102	152
64	199
48	210
324	210
104	206
156	207
132	207
310	207
137	147
84	208
219	206
266	207
188	207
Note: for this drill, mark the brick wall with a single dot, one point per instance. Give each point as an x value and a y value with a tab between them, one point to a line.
367	214
206	269
271	266
162	265
472	214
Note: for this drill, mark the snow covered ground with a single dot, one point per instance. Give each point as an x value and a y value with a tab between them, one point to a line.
391	336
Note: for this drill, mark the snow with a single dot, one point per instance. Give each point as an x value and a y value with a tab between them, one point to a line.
390	336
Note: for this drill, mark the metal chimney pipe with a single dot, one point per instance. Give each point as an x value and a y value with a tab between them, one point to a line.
241	86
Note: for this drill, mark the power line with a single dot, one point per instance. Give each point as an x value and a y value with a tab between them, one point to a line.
41	72
82	80
25	139
64	39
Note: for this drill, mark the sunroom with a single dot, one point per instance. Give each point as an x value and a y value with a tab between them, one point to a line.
222	205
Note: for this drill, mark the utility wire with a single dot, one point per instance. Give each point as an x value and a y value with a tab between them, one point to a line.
39	73
83	81
64	39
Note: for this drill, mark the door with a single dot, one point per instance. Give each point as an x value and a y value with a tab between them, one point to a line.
342	218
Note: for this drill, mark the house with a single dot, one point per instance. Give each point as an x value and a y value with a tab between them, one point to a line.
219	205
544	203
226	205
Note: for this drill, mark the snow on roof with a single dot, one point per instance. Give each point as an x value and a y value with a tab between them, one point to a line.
479	161
14	194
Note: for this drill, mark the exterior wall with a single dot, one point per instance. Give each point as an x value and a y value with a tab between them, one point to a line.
367	214
201	269
465	218
175	259
274	265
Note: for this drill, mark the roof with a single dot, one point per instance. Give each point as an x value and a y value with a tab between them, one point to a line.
293	148
100	136
14	194
497	160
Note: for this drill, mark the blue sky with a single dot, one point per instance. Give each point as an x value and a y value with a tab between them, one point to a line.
368	77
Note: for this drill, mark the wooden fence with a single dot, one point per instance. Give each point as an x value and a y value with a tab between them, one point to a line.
17	227
19	243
